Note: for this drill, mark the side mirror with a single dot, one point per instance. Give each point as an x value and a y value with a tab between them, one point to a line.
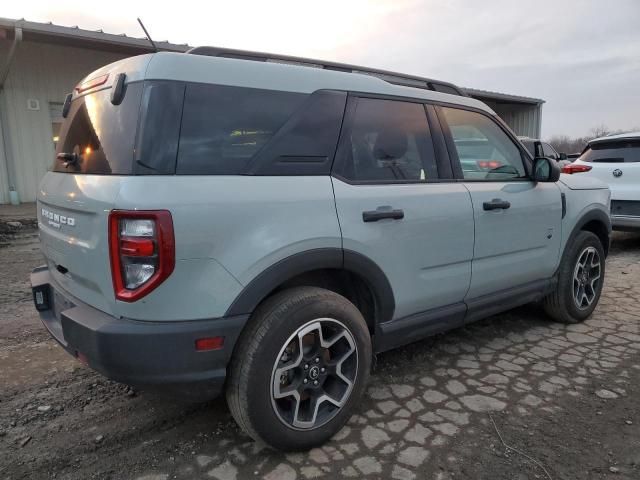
545	170
562	156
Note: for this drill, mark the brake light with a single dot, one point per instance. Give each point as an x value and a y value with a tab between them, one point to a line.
93	83
575	168
142	251
489	164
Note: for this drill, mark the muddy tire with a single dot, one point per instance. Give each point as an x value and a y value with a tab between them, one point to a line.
580	280
299	368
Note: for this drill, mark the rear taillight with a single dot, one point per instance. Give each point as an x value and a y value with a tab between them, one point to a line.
575	168
142	251
488	164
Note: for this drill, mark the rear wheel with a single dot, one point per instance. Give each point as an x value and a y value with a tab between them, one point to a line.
580	280
300	368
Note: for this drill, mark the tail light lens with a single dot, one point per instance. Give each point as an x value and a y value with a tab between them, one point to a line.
575	168
142	251
488	164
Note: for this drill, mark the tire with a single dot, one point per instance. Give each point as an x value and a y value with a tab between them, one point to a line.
269	348
562	304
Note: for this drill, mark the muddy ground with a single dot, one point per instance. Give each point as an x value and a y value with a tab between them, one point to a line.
566	398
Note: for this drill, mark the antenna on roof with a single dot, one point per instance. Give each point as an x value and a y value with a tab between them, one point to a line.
147	34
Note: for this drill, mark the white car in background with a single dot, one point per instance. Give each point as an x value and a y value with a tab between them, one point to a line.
616	161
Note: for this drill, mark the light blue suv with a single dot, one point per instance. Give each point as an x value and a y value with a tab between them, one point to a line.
264	226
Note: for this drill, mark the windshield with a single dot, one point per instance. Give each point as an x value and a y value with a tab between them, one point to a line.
98	136
613	152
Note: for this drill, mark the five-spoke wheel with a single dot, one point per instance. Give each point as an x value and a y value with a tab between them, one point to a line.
580	278
299	368
586	277
314	373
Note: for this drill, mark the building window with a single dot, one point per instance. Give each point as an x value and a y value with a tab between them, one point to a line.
55	112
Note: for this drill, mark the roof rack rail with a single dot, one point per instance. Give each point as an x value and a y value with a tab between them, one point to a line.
391	77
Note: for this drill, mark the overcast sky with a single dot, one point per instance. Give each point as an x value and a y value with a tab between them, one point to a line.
581	56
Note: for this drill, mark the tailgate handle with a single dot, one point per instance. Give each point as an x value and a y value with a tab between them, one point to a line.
381	213
496	204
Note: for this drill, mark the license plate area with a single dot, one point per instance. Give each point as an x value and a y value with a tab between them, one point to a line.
42	297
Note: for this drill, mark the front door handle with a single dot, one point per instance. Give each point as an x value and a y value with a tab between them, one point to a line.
496	204
381	213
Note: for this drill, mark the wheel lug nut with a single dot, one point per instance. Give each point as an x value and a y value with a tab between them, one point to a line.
315	382
305	381
306	366
322	369
317	359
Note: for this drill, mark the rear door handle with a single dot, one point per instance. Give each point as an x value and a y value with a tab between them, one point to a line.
496	204
381	213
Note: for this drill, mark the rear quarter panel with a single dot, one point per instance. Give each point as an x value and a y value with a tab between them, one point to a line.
228	229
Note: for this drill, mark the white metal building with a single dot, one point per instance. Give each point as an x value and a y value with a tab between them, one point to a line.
40	63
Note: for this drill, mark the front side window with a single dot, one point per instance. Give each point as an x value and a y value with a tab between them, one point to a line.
388	141
549	151
485	151
223	127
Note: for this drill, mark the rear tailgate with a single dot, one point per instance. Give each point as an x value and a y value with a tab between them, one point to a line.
72	218
94	154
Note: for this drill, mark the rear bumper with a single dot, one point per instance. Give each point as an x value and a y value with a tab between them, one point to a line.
625	223
138	353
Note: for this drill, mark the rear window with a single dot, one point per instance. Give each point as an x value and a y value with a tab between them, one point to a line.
627	151
100	134
223	127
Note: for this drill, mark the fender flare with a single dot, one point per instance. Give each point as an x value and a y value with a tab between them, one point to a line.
322	258
596	214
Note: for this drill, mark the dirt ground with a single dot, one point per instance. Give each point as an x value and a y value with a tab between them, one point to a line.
565	399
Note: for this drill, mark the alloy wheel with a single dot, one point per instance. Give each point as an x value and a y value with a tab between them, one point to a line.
314	374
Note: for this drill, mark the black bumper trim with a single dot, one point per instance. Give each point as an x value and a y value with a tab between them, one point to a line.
141	353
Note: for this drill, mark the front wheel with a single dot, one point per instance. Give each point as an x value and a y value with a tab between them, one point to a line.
299	369
580	280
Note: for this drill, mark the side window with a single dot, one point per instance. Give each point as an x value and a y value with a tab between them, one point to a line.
485	151
549	151
388	141
224	127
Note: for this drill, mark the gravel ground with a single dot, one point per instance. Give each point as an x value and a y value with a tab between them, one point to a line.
512	397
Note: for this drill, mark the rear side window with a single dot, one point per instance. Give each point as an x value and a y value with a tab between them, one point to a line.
159	130
100	134
627	151
485	151
388	141
224	127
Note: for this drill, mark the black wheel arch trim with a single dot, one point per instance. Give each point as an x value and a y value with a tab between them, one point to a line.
321	258
591	215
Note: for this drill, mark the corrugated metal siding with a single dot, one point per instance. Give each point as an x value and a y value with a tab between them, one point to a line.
45	73
4	183
524	120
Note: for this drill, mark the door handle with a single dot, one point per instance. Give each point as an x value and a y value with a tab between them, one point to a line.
496	204
381	213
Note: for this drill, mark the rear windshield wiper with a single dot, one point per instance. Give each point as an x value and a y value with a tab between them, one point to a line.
68	158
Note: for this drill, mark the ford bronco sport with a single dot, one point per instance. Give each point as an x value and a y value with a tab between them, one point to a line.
263	228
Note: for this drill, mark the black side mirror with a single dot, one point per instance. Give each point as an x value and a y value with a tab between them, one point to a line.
545	170
562	156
